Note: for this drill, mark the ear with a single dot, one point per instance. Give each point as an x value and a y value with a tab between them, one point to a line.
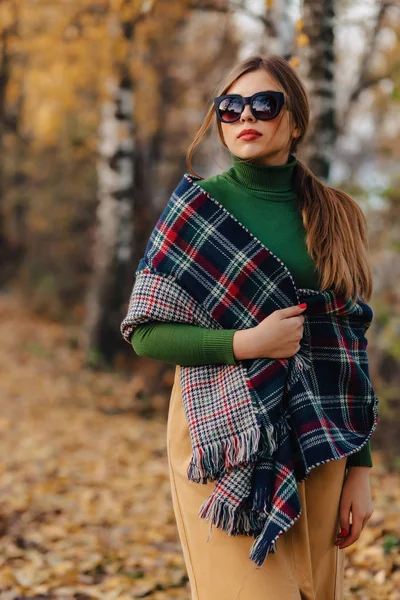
295	133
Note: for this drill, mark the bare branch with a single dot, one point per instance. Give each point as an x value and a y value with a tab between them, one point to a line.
364	81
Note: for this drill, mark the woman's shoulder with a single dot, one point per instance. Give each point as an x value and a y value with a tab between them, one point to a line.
213	183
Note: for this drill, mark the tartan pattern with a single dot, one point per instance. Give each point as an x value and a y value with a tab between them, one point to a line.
258	427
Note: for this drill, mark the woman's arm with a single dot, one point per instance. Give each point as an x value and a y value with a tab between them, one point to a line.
182	344
189	345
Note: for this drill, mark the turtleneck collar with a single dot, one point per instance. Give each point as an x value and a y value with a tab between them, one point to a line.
263	178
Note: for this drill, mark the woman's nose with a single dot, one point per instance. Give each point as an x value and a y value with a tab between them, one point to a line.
246	114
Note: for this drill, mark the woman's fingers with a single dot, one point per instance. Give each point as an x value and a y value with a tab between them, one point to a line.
354	533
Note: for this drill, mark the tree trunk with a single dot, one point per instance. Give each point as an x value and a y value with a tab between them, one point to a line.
281	14
319	27
113	247
4	79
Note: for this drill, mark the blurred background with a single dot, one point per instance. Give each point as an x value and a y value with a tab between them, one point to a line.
99	101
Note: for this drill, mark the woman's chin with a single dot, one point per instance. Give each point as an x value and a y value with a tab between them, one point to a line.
246	151
249	154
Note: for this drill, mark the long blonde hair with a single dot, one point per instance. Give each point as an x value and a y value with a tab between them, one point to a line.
336	228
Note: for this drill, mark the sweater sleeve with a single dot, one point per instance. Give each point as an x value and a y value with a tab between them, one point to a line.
362	458
182	344
190	345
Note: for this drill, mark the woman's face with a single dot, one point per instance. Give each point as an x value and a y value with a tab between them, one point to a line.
275	135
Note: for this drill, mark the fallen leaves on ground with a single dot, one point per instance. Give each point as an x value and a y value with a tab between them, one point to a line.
85	504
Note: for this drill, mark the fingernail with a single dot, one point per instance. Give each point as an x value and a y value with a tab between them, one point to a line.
303	305
343	532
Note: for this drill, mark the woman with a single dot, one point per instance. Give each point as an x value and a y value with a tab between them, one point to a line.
320	234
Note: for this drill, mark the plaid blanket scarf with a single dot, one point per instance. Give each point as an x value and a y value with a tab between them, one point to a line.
258	427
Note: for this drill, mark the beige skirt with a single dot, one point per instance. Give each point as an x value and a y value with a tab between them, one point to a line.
307	564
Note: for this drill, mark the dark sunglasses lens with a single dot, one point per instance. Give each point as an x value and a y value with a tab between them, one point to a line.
229	109
265	106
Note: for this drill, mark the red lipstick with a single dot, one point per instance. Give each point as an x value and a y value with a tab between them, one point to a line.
249	134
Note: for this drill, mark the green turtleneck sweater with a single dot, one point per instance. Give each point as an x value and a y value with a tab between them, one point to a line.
261	197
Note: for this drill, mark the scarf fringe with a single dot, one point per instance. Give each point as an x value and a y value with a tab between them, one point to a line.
233	520
299	363
208	462
260	550
269	439
262	500
261	496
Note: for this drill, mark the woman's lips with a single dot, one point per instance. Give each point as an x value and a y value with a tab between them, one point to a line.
249	136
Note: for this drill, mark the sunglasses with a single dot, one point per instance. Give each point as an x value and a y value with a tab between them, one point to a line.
263	105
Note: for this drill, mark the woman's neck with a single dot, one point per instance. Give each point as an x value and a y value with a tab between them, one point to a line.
260	177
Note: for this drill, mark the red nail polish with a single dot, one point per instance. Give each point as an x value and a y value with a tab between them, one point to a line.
343	532
303	305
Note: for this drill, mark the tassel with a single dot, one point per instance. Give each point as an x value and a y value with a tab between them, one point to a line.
260	550
299	363
261	499
208	462
282	429
268	442
233	520
294	372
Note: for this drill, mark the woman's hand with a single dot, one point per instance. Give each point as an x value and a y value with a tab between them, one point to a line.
356	497
276	336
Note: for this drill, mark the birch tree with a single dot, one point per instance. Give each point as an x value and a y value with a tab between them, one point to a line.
319	28
317	65
8	29
114	239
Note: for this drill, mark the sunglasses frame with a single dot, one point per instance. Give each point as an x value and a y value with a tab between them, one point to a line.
279	97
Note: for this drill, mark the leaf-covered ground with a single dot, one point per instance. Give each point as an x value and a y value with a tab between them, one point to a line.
85	505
